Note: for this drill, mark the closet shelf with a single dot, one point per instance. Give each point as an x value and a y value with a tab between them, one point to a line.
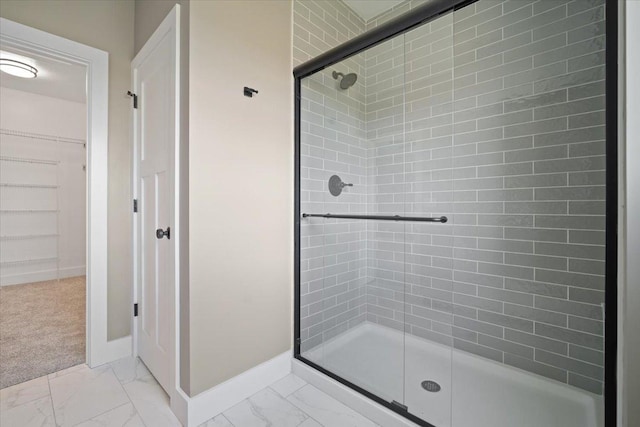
28	261
28	236
28	160
28	211
10	185
43	137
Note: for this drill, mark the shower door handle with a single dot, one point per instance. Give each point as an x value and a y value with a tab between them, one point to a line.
160	233
441	219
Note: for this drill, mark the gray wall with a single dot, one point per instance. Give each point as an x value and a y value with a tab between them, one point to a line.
494	117
241	252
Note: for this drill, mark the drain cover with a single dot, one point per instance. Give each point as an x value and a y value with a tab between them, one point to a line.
431	386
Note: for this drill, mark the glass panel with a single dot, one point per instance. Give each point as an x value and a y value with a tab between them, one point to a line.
529	182
339	279
386	288
427	152
376	296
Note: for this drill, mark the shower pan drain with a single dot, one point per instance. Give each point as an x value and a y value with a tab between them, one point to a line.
431	386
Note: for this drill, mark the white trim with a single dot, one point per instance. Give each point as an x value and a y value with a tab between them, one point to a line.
629	216
99	349
170	27
116	349
621	360
356	401
193	411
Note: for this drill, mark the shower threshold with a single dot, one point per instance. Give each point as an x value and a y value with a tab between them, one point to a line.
473	391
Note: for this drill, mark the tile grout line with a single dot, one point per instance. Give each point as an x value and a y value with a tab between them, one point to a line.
125	390
53	409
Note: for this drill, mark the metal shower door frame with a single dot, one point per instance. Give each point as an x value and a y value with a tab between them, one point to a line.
412	19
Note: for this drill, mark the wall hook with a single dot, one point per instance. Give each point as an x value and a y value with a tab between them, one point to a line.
249	92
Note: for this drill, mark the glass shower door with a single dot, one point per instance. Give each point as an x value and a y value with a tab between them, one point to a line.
428	152
347	285
529	95
376	221
493	116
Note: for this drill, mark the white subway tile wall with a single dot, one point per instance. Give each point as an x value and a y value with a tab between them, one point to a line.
493	116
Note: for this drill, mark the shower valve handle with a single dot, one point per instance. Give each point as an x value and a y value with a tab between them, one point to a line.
344	184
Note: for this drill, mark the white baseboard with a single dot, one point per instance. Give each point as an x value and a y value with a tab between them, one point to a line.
193	411
41	276
356	401
111	351
179	403
73	271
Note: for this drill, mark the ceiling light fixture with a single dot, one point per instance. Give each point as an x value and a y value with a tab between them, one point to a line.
18	69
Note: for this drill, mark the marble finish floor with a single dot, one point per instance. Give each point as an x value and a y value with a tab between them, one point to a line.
124	393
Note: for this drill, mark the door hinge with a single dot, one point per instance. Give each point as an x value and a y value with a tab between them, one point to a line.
400	406
135	98
135	310
135	205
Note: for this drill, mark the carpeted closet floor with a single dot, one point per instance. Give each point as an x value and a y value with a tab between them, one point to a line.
42	328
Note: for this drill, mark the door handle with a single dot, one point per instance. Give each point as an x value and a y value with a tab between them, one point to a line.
160	233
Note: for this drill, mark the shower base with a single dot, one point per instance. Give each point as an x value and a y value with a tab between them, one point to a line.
473	391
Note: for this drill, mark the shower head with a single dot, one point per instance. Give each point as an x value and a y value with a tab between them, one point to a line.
347	80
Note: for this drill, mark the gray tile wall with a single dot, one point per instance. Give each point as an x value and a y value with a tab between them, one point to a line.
493	116
333	263
394	12
409	110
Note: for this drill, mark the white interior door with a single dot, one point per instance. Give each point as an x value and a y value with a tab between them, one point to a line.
154	75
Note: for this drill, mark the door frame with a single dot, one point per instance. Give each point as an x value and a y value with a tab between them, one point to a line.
99	349
170	27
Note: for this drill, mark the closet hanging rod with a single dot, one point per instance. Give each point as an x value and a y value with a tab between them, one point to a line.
27	211
28	160
442	219
44	137
28	261
27	236
15	185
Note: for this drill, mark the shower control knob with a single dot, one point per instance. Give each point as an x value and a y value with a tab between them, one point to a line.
160	233
336	185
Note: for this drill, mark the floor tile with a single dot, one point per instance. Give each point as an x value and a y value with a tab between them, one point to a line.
22	393
129	369
219	421
265	408
288	385
81	367
151	402
122	416
325	409
310	422
85	393
37	413
125	394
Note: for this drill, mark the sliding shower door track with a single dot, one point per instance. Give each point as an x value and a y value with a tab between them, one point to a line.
395	407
